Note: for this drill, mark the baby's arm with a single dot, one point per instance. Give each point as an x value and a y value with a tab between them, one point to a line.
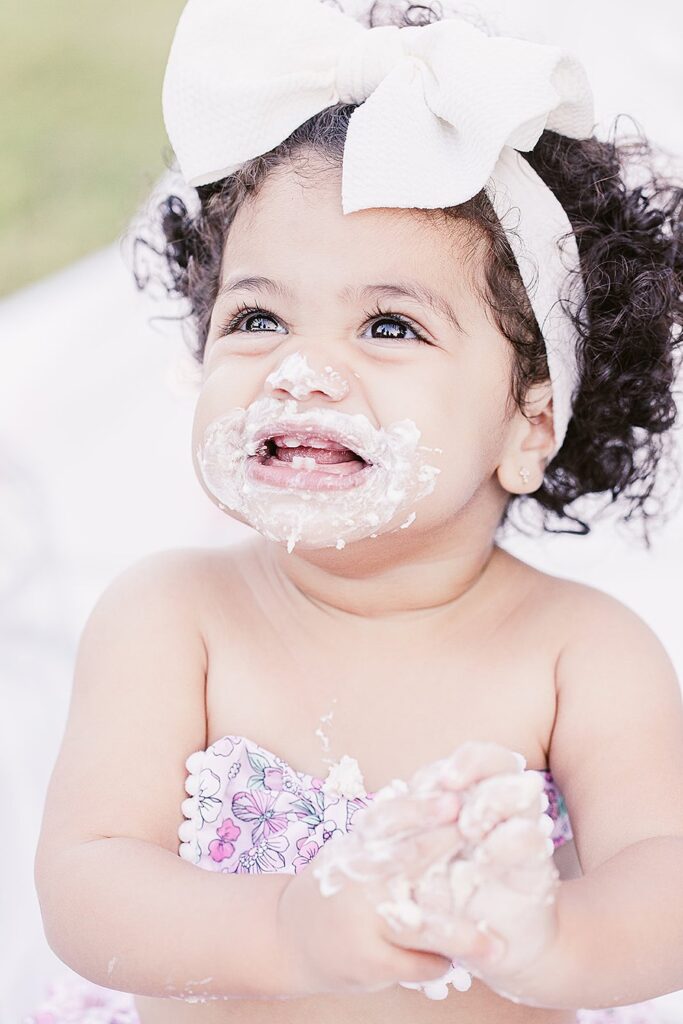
119	905
617	755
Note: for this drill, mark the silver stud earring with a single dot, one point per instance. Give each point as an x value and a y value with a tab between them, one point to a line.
524	473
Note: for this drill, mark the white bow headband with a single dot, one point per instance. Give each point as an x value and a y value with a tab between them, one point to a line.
444	109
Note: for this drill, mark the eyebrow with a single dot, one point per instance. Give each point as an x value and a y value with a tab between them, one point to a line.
402	289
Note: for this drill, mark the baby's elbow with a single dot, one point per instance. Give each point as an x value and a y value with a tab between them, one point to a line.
53	902
44	885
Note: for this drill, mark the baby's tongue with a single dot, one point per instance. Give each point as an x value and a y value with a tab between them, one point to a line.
324	456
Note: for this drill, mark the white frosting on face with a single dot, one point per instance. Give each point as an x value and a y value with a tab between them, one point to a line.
399	475
299	378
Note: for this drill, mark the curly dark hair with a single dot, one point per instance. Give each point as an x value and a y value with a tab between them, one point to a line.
629	241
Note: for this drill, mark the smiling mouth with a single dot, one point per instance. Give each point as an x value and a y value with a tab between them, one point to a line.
337	460
304	467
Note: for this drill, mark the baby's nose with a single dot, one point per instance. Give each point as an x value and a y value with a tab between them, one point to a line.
298	378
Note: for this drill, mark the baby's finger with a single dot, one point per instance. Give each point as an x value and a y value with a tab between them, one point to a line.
432	890
470	762
517	841
513	911
536	884
518	853
463	877
452	935
404	815
499	797
412	856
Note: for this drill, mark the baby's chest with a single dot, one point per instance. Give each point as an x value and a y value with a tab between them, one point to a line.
391	703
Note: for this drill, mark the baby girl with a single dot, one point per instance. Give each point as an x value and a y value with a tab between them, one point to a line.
391	367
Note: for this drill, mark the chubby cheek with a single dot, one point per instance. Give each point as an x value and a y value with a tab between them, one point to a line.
198	425
223	389
465	420
205	411
212	404
470	439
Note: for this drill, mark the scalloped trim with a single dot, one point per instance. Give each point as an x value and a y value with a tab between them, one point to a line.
189	848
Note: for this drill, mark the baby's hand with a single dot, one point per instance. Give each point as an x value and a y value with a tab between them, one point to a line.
491	903
328	921
450	860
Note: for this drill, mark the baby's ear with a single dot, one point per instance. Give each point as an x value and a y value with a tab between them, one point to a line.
538	433
529	442
539	400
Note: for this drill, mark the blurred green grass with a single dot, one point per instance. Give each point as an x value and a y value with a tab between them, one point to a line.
81	133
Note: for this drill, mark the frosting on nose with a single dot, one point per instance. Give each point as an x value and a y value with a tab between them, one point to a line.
296	375
366	60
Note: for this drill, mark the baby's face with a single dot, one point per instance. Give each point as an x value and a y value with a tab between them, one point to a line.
422	385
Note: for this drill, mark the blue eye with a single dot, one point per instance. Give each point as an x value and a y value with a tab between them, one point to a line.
246	314
393	318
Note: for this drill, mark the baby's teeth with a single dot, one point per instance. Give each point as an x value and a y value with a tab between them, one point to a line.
309	442
287	440
294	442
304	462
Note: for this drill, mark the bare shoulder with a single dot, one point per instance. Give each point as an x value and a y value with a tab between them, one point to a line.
579	609
197	578
550	601
188	570
616	743
137	707
617	740
589	613
608	639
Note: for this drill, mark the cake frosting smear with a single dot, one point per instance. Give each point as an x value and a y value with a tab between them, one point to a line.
314	477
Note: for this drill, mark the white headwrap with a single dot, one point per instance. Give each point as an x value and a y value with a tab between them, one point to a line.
444	110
